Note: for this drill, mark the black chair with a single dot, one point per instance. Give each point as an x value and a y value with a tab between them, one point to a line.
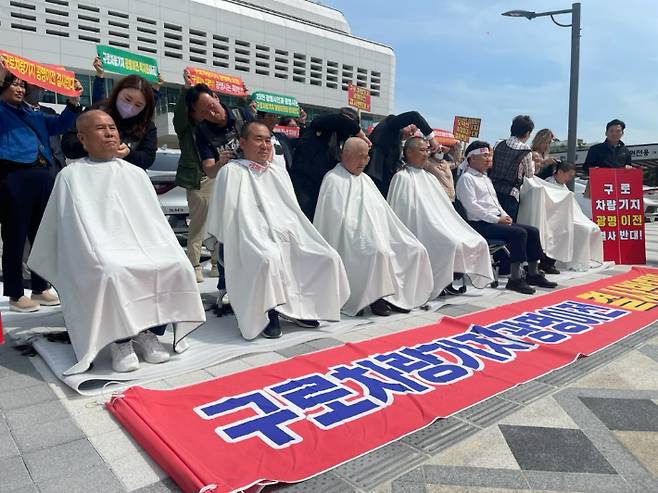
495	246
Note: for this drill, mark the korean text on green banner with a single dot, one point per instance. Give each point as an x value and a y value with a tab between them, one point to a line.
127	63
358	97
276	103
50	77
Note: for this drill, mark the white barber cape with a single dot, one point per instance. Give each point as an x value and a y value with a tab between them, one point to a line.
420	202
549	209
587	239
382	257
273	256
107	248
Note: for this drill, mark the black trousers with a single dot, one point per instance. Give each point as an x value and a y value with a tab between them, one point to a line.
510	204
24	193
522	240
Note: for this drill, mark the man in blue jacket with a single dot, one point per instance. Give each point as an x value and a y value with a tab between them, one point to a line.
26	180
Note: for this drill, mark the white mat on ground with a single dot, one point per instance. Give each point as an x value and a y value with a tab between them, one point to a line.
218	340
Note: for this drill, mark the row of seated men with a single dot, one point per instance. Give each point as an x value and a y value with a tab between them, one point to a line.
122	277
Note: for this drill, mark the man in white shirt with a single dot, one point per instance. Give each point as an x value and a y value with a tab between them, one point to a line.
477	196
388	268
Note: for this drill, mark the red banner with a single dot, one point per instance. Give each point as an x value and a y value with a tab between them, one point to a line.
51	77
292	132
358	97
444	137
618	209
292	420
224	84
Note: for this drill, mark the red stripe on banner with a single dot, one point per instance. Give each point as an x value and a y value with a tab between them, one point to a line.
292	420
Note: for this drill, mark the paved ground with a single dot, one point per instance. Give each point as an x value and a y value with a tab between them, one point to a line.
592	426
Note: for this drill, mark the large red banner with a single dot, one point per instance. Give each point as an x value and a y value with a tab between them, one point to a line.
292	420
51	77
618	209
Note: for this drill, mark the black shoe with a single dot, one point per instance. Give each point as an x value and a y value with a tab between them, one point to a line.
450	289
541	281
380	307
394	308
273	330
548	269
360	313
520	286
307	324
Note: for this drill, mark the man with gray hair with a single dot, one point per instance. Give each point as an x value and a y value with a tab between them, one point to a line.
387	267
423	206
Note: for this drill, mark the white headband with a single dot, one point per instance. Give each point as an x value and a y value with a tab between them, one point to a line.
476	152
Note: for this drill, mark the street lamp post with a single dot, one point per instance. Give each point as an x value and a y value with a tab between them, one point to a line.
575	63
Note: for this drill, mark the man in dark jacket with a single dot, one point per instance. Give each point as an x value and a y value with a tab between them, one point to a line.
386	151
612	153
208	132
318	152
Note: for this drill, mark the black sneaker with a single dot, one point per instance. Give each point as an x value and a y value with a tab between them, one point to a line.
540	281
273	330
307	324
380	307
548	269
394	308
520	286
450	289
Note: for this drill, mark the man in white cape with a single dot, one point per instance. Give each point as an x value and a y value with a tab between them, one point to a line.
276	262
107	248
587	240
388	268
421	203
566	235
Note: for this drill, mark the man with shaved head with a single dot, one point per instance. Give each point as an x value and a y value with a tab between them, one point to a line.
387	267
110	253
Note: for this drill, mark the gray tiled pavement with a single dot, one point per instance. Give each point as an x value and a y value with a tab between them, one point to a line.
52	440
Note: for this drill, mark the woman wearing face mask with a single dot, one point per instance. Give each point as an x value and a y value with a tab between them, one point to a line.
132	106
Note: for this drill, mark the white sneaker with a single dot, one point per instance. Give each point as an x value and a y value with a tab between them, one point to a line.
124	358
182	346
214	271
147	344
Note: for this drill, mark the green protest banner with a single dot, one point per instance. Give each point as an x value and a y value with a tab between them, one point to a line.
276	103
126	63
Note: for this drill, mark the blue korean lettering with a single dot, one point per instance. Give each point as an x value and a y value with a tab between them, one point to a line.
519	329
311	391
270	424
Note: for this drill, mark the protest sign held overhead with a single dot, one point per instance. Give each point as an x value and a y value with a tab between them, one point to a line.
358	97
127	63
276	103
50	77
465	127
221	83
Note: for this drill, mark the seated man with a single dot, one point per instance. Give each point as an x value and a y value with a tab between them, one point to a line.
476	194
276	262
107	248
587	240
388	268
423	206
